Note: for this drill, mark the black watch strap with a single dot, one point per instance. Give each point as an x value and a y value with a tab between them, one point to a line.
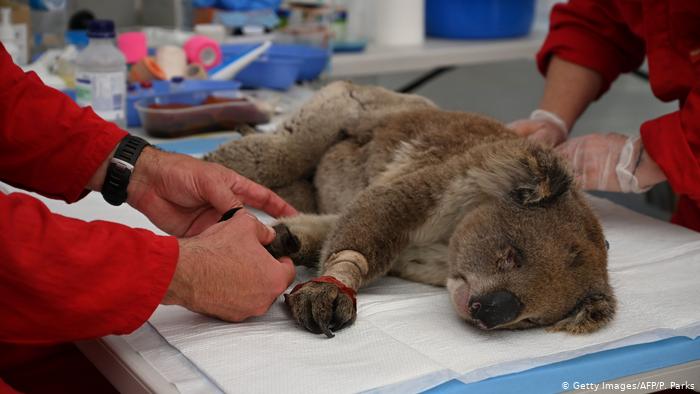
121	165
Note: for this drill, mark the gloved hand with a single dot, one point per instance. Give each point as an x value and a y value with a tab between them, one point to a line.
543	126
611	162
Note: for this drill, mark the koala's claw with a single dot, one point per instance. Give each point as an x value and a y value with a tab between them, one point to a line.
285	243
321	307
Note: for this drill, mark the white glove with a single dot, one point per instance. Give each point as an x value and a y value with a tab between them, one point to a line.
611	162
543	126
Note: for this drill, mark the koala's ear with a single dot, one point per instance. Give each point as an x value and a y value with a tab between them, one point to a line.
530	176
591	313
545	180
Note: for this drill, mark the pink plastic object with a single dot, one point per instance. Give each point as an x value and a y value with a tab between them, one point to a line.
133	45
203	50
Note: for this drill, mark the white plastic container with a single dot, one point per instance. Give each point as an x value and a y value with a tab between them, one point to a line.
100	74
7	34
399	22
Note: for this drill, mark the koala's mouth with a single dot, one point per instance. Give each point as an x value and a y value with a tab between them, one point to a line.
460	293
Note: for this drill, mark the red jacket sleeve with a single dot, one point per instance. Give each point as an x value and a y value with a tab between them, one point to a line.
673	141
62	279
592	34
48	144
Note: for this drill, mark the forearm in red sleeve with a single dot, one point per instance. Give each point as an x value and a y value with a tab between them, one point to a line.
673	141
48	144
592	34
62	279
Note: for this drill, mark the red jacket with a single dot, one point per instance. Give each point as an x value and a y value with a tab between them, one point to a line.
63	279
612	37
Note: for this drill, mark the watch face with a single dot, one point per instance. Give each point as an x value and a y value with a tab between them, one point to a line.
121	165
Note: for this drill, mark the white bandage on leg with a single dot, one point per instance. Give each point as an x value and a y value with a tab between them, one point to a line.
348	266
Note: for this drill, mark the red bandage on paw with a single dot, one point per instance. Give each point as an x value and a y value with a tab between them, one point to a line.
328	279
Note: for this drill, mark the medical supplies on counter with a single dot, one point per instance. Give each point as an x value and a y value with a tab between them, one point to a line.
169	116
175	83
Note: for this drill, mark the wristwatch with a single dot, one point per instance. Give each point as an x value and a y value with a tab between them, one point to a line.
121	165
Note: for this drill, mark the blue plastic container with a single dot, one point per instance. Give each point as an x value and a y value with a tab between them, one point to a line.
280	67
271	73
313	59
479	18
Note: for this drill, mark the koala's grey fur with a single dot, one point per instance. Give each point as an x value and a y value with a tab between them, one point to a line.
393	185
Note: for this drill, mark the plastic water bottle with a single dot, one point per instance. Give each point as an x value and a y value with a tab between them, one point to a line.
100	73
49	23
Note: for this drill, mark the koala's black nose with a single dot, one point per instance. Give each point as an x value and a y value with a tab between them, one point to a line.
495	308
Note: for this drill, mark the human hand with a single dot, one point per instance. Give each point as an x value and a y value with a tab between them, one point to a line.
611	162
225	271
183	196
543	127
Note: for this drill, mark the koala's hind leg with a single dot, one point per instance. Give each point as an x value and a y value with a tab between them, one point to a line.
301	238
293	151
300	194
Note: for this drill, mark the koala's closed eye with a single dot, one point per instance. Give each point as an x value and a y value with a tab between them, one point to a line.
576	257
510	258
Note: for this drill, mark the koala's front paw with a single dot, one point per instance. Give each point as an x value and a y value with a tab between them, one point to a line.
284	244
321	307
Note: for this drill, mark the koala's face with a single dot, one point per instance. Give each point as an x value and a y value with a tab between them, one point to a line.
516	265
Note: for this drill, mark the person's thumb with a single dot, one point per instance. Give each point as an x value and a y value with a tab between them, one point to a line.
288	270
263	232
524	127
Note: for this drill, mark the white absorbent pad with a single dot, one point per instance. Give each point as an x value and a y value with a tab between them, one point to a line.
406	330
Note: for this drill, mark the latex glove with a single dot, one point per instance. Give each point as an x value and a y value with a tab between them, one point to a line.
226	272
611	162
543	126
183	195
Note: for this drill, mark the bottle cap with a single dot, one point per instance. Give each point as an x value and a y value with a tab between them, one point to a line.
101	29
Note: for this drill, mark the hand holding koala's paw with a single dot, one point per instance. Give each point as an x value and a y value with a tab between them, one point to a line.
284	244
322	305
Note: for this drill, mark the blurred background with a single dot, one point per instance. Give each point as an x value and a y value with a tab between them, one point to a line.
464	55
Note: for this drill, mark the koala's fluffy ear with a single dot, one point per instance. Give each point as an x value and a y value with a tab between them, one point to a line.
591	313
533	177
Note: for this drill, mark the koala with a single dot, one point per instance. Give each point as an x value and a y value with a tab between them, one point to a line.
392	185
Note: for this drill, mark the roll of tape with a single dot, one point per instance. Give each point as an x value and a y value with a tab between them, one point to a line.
133	45
172	60
203	50
146	70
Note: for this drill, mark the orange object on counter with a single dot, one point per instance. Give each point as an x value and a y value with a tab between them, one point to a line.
146	70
